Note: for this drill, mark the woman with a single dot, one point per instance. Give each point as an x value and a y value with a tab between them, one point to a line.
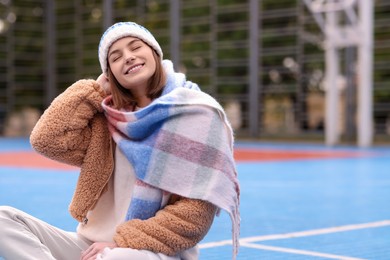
155	155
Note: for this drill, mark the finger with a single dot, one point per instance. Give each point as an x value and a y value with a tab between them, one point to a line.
102	76
106	86
87	253
91	255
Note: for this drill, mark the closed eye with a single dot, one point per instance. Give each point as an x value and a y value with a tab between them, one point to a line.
115	58
136	48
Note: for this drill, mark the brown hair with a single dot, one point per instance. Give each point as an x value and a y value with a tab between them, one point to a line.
122	97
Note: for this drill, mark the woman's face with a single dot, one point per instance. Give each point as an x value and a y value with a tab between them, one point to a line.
132	64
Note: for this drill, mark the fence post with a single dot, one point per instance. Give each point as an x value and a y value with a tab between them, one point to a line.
107	14
175	32
254	68
365	58
51	78
332	89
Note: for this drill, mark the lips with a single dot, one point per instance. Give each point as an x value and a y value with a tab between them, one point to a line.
134	68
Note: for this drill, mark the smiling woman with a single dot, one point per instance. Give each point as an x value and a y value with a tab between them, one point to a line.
155	155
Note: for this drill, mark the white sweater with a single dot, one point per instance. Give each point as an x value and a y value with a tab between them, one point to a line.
111	208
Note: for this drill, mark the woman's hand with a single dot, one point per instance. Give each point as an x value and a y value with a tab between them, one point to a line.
95	249
103	81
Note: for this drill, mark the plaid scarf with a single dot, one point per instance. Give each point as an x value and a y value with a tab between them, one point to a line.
181	143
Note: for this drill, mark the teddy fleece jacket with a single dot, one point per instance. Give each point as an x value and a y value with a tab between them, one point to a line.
74	130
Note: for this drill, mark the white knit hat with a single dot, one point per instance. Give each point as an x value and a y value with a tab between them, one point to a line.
124	29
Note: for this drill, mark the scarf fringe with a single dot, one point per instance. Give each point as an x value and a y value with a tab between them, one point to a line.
235	217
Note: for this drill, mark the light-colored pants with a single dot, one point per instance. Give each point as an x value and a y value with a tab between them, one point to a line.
24	237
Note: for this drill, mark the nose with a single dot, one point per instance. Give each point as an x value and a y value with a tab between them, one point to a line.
130	57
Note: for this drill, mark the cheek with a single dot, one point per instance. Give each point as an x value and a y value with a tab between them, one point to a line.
115	70
153	66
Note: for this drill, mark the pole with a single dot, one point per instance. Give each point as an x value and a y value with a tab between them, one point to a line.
365	66
175	32
350	93
332	93
107	14
51	80
254	68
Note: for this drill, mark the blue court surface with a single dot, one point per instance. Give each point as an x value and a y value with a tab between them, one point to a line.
329	207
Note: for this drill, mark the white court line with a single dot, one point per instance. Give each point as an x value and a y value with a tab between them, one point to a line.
299	234
299	252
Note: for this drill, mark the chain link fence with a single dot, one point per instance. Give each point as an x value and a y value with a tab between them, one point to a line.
261	59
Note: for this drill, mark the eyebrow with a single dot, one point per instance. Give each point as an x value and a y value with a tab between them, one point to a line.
128	44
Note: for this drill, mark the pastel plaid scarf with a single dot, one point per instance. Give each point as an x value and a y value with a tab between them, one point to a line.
181	143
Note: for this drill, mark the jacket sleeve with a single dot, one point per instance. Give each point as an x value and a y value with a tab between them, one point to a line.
175	228
64	130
